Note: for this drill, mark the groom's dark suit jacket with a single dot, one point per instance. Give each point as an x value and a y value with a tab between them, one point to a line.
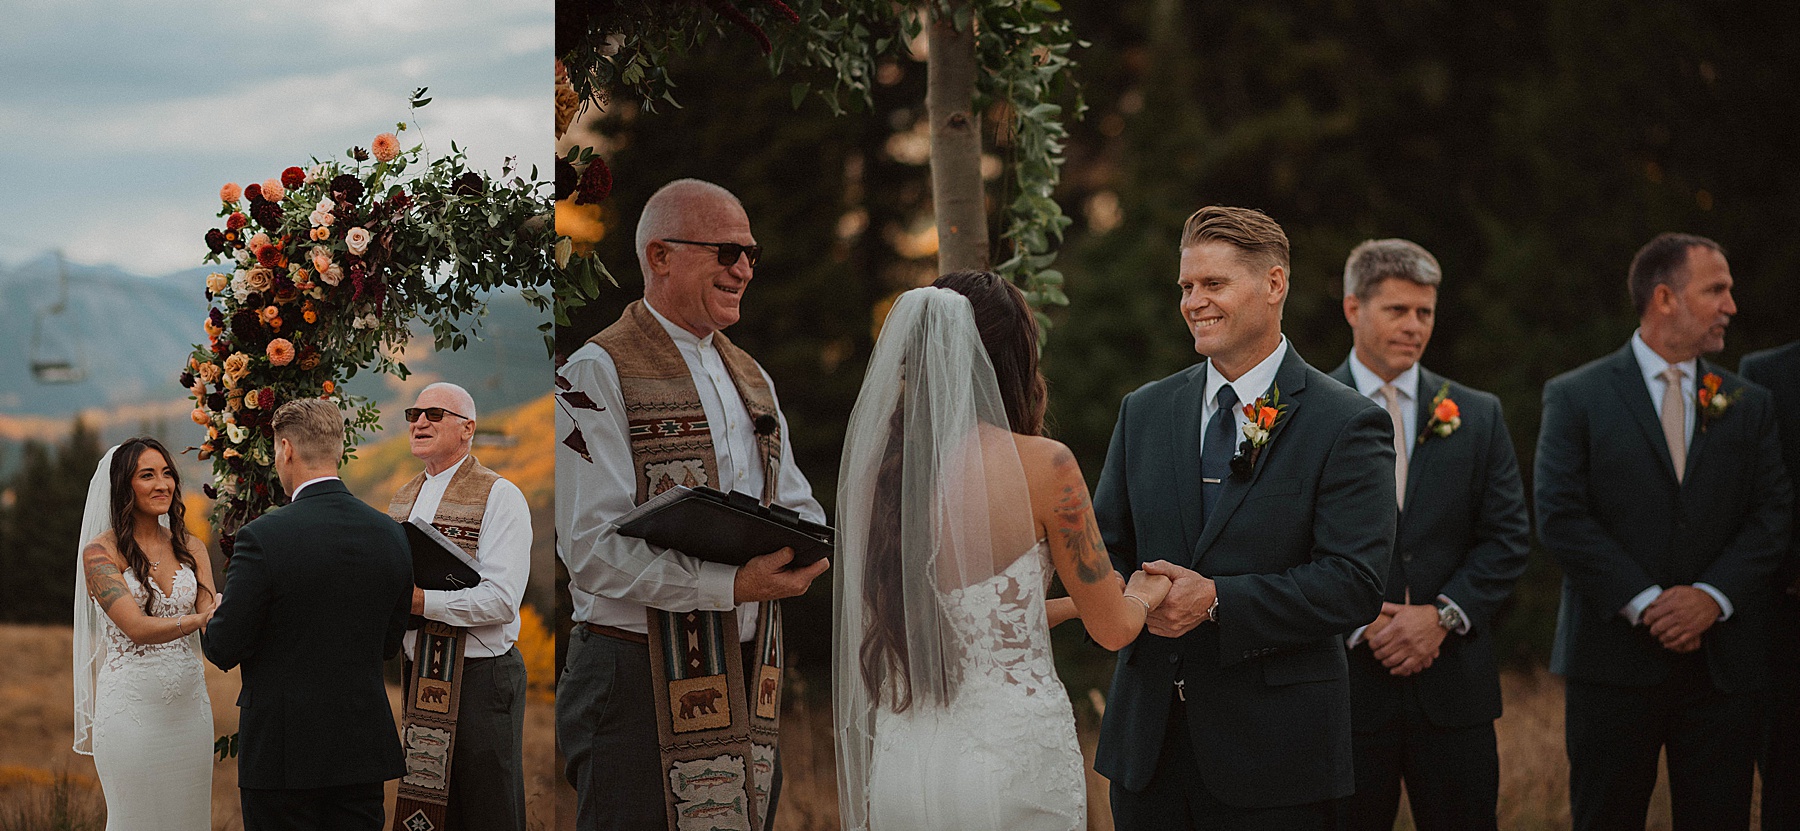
1299	548
1611	512
1464	534
317	596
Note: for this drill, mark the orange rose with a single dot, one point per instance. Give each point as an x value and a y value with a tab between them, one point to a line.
329	387
1265	418
1446	411
1705	396
281	352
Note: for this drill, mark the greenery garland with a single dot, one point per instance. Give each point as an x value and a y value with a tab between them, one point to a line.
331	265
615	49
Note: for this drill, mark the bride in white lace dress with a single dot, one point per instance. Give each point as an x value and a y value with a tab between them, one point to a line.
144	589
952	514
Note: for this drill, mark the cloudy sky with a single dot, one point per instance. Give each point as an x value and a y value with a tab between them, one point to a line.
120	119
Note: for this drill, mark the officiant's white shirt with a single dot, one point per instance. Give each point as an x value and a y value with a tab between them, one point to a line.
613	578
490	609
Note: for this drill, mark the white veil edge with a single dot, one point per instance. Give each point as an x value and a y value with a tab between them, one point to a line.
958	464
95	520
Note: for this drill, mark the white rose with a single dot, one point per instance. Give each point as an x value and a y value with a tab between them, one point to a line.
243	256
318	172
322	219
240	286
358	240
325	205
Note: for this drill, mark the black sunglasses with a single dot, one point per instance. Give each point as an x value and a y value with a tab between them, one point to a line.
432	414
728	251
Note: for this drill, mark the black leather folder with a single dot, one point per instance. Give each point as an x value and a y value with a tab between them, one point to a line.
728	528
438	565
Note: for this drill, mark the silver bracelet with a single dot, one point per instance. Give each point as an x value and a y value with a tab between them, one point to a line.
1141	602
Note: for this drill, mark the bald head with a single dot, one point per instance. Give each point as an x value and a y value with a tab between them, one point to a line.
684	209
442	443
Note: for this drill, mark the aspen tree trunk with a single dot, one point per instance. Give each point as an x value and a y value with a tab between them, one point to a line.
956	188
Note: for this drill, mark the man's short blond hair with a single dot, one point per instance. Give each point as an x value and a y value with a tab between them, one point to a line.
1259	240
315	427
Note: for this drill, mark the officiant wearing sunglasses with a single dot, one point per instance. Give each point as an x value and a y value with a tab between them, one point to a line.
654	710
482	706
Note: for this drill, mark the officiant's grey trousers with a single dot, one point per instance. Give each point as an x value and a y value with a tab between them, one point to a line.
606	727
487	774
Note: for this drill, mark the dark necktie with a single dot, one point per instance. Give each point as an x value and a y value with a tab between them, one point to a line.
1216	452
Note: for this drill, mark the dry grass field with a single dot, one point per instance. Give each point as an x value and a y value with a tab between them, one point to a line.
36	726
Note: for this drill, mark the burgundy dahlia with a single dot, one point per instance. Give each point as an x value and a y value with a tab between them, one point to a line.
468	184
253	192
346	189
269	256
248	329
215	401
215	241
596	183
186	379
265	400
236	220
267	213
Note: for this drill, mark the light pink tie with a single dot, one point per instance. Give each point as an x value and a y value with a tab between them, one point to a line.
1674	419
1389	392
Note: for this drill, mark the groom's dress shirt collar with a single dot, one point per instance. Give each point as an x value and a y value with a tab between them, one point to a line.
490	609
1369	384
303	485
1250	386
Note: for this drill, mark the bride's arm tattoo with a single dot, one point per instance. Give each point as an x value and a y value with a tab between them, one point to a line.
103	579
1075	524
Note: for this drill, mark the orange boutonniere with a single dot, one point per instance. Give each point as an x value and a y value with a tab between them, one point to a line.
1713	403
1446	417
1262	416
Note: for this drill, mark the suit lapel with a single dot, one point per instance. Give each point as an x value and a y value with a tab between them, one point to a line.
1697	437
1186	421
1628	378
1291	379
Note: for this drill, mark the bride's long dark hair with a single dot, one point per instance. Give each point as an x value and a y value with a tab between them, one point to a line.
124	510
1009	333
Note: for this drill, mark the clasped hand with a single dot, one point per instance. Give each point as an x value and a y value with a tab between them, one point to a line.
1405	638
1679	616
767	577
1184	607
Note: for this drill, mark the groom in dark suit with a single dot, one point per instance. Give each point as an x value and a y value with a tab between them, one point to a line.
1661	492
1778	370
1424	684
1233	712
316	597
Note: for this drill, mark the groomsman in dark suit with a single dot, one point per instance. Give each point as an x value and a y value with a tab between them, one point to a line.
1778	370
1233	710
1661	492
1424	684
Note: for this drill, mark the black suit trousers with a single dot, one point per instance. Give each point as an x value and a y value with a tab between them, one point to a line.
1452	774
1176	800
343	808
1780	758
1616	733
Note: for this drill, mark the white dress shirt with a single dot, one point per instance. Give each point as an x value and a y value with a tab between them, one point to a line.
1651	366
302	486
1250	386
489	609
1407	383
614	578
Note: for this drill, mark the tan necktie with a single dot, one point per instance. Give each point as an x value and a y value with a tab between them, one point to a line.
1393	407
1674	419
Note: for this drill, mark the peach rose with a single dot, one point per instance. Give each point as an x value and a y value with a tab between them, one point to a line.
281	352
357	239
259	279
236	367
386	147
216	282
333	275
321	258
273	190
209	372
230	193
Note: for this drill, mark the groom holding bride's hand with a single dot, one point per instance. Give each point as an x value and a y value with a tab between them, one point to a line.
1275	522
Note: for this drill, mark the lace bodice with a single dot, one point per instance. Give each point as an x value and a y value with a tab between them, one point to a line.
119	648
1003	629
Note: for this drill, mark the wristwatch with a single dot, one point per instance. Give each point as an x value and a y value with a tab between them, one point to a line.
1449	618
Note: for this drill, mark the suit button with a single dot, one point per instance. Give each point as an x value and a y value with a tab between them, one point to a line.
1174	658
1406	558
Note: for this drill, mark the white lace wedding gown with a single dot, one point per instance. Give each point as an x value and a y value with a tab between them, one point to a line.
1002	753
153	728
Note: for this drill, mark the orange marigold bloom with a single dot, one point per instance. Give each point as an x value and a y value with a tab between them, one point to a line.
320	233
1446	411
386	147
281	352
310	316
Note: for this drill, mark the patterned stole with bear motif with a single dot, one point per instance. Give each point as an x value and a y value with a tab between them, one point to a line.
716	724
428	716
